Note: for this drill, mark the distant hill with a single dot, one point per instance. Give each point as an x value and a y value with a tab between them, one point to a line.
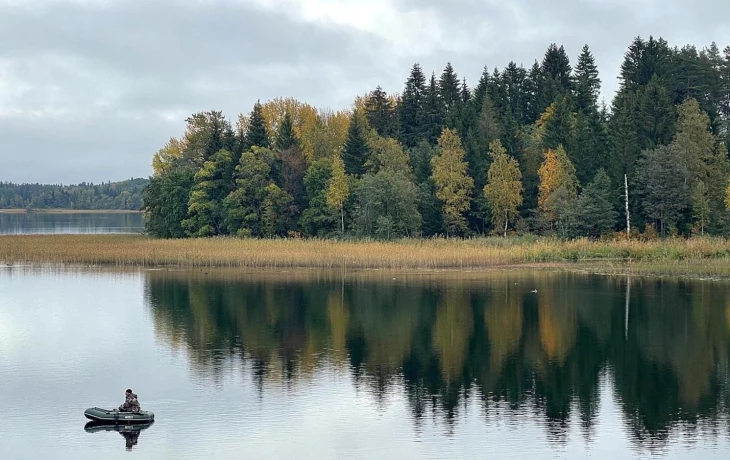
125	194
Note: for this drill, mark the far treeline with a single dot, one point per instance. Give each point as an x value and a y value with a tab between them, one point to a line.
525	150
110	195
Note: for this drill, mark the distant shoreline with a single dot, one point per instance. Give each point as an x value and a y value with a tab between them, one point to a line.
69	211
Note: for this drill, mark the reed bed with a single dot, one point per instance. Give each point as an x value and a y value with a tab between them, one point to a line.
134	250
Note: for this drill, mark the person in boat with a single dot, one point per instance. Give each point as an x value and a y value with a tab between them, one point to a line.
131	404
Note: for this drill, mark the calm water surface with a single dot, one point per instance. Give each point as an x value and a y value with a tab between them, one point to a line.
81	222
321	366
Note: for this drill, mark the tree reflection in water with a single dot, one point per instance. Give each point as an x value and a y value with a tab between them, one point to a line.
442	339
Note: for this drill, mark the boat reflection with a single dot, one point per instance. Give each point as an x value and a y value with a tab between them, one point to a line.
130	433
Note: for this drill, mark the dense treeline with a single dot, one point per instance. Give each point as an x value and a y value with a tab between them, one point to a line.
525	149
111	195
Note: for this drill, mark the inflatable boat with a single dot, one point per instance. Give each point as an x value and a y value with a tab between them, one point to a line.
99	415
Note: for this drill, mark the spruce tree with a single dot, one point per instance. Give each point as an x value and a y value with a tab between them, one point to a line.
532	86
449	95
596	206
286	138
655	115
433	112
355	151
256	132
559	125
410	109
586	82
556	64
379	113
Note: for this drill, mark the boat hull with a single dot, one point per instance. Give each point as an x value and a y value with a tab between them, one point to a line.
109	416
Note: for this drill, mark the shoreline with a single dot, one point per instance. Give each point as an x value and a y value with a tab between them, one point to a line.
68	211
695	258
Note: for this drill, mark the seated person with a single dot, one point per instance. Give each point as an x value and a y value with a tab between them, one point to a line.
131	404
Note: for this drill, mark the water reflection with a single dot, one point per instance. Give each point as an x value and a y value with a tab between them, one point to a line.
130	433
71	222
662	345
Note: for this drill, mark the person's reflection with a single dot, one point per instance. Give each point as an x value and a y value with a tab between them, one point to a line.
130	437
130	433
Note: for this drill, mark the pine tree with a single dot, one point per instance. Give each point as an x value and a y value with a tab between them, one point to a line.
356	150
256	132
379	113
533	84
286	138
453	184
410	109
623	135
504	187
586	82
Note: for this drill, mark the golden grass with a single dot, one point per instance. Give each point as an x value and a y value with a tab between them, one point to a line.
132	250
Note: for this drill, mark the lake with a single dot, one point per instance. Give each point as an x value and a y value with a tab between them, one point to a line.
71	222
326	365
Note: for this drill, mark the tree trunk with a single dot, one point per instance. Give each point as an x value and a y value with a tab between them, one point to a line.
342	218
505	225
628	219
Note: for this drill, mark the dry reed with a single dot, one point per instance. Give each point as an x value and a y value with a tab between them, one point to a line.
132	250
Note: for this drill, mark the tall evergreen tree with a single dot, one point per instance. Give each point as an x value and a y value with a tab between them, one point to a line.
596	209
356	150
655	115
256	132
286	138
449	95
410	109
380	113
586	82
433	111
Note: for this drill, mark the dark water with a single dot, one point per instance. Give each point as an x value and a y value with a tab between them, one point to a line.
314	366
77	222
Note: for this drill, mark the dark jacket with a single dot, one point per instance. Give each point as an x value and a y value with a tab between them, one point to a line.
131	404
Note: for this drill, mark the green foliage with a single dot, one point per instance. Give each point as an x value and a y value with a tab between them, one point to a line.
504	187
386	206
256	133
319	219
286	138
245	204
596	211
453	184
212	183
586	83
380	113
356	150
166	203
411	108
663	184
338	190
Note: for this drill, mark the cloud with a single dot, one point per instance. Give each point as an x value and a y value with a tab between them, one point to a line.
89	89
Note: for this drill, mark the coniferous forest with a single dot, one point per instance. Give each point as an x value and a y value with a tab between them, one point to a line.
110	195
522	150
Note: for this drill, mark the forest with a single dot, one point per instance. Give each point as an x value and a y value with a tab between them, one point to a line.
111	195
524	150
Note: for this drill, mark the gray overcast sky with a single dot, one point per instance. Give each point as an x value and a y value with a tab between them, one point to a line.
90	89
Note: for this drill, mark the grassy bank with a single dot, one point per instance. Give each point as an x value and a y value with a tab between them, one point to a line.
710	256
